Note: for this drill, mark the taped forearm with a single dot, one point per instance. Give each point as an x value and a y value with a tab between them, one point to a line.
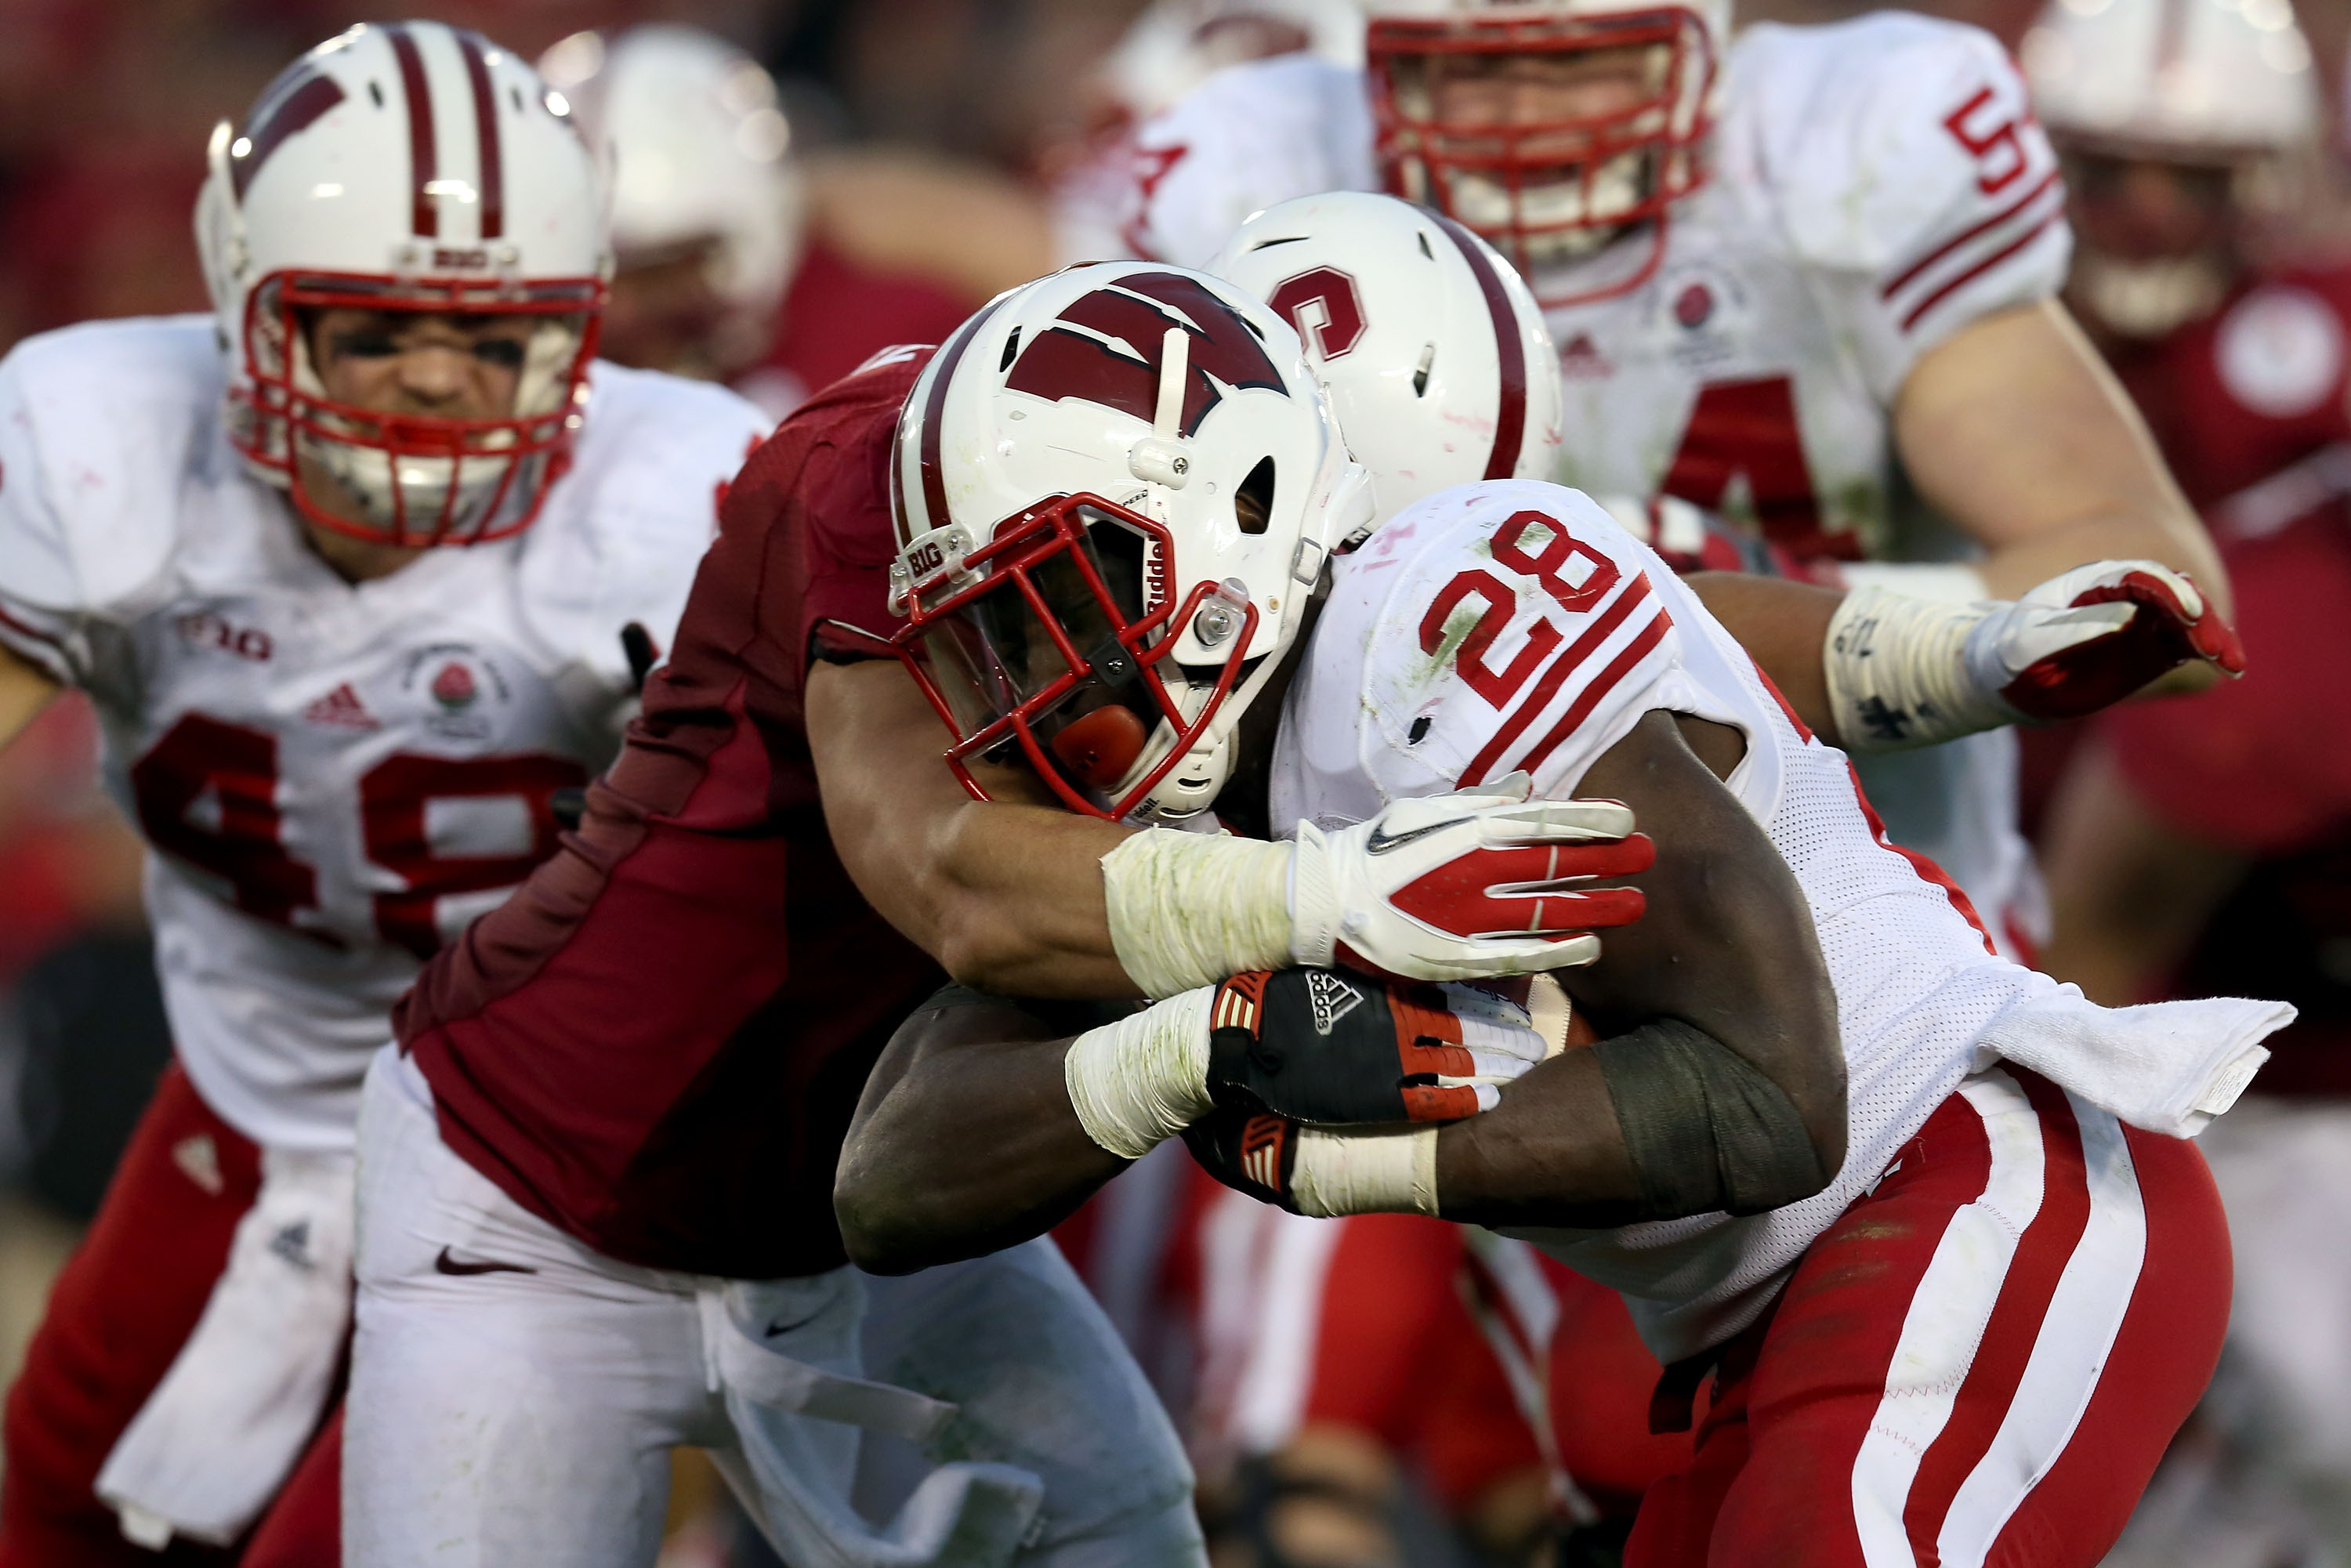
1144	1079
1388	1172
1706	1130
1897	666
1189	909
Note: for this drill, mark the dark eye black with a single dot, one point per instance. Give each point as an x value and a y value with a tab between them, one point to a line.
504	353
365	345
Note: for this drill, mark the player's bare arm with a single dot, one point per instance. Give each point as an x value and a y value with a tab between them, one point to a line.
965	1141
1006	894
2128	892
968	1138
25	690
2015	430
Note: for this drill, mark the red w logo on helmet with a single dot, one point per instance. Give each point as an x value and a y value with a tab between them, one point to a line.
1105	349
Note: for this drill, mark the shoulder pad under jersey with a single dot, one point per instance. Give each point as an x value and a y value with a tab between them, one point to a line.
624	531
1897	153
1497	626
1249	137
100	425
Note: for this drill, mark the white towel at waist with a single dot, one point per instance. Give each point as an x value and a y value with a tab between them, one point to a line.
2164	1067
223	1430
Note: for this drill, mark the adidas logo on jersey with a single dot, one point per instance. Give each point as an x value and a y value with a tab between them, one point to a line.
1330	998
341	709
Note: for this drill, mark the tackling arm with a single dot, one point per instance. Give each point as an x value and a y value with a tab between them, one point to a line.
968	1138
1037	901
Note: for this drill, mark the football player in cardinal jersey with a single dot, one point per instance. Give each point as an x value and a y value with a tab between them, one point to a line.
345	568
1874	1177
1805	278
563	1156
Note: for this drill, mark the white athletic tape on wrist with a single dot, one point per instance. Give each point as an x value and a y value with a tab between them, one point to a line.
1898	675
1364	1173
1193	909
1141	1080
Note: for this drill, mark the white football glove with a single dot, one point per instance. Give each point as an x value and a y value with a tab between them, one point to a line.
1465	885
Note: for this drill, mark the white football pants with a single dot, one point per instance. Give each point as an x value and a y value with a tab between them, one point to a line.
521	1415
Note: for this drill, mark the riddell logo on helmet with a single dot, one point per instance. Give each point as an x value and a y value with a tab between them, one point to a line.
445	259
1105	348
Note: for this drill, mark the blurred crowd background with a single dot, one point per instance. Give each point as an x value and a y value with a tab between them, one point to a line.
932	136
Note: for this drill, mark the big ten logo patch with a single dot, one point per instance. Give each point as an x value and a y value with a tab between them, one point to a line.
204	629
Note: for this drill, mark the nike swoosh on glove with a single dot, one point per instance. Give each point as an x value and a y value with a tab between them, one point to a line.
1461	886
2088	639
1324	1047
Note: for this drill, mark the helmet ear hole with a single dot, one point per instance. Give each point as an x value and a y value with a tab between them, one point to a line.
1253	502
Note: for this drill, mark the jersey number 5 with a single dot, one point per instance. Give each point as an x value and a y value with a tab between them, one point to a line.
207	794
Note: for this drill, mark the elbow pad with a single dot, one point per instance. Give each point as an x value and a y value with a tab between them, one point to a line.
1706	1130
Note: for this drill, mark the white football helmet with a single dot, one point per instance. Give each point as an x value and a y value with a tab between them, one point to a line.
1548	192
1115	490
1175	45
1434	355
407	166
2222	97
701	159
2190	78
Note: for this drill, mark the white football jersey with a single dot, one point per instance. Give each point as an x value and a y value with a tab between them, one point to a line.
1513	624
336	776
1876	185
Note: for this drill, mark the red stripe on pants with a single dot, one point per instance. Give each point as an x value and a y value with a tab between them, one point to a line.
1773	1482
121	1309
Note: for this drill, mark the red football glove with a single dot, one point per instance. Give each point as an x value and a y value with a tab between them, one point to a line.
2092	636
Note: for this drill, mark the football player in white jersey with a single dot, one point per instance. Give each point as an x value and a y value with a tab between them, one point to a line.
345	567
1806	278
1986	1353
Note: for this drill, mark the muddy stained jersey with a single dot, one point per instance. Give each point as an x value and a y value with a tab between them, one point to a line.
1876	185
336	776
1512	624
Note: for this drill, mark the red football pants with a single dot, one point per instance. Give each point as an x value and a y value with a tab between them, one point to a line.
121	1309
1980	1363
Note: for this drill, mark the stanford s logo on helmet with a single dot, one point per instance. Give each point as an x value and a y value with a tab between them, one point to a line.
404	167
1434	355
1115	491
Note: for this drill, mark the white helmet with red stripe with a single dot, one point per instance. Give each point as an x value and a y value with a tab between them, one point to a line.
1547	185
700	154
404	166
2183	78
1115	490
1434	355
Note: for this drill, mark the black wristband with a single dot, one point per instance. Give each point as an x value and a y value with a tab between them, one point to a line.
1705	1130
